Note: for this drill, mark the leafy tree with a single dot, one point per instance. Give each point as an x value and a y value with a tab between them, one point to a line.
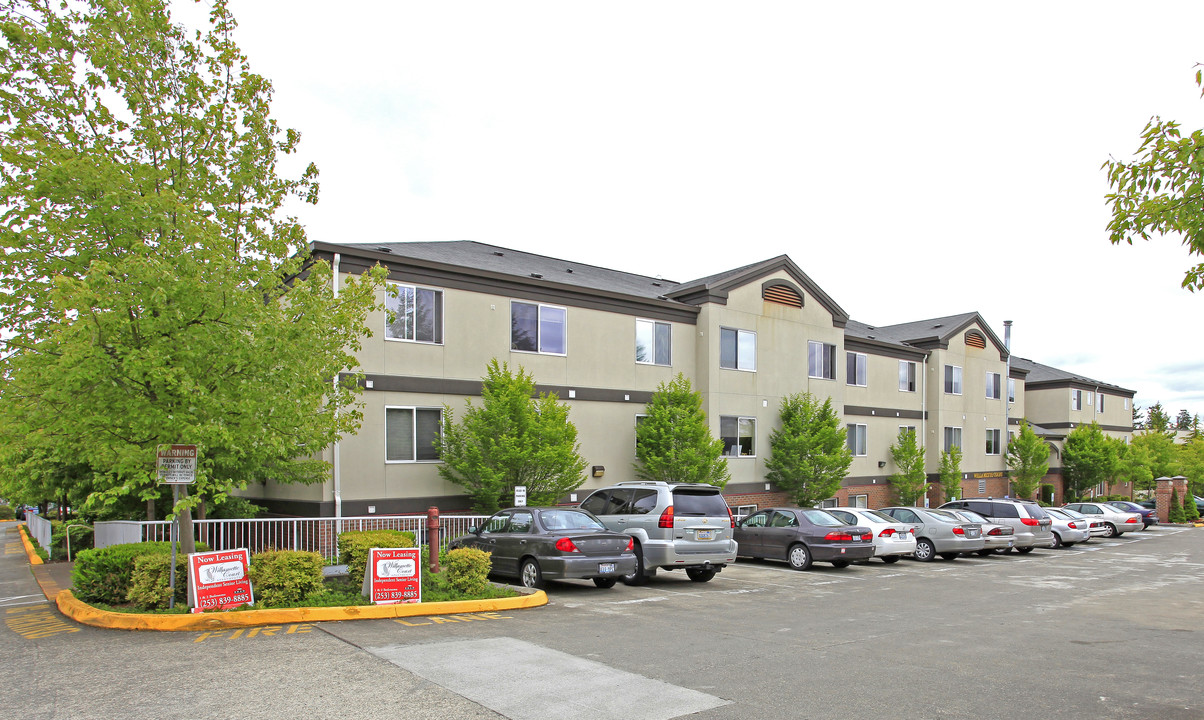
1134	461
1162	191
1028	458
1087	459
951	473
1183	421
1157	452
910	481
513	438
1191	464
809	455
673	442
154	291
1157	420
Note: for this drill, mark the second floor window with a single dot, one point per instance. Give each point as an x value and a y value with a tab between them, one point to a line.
993	386
413	313
855	368
737	349
907	376
411	433
1011	390
953	380
653	341
1076	399
739	435
953	438
1099	402
857	439
821	360
993	447
538	328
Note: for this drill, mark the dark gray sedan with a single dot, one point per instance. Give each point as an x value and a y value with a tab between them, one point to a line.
538	543
801	536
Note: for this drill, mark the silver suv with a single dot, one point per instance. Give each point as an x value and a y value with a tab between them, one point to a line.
675	525
1033	527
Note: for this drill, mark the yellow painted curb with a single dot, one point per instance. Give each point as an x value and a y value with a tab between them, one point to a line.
81	612
29	551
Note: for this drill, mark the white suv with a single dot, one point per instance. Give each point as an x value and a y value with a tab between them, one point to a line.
675	525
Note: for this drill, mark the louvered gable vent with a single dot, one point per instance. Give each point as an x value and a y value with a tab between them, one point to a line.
782	295
975	339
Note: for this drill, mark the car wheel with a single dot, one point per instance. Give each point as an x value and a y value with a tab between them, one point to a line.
700	574
890	559
985	553
1024	551
639	577
840	563
1057	541
950	556
1002	551
1110	530
604	582
925	550
799	556
530	574
1066	545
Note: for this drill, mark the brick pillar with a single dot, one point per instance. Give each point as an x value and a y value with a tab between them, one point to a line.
1162	494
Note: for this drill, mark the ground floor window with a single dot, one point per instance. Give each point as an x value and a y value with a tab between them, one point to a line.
411	432
739	435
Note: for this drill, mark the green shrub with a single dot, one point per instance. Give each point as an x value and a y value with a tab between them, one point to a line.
1176	510
467	570
81	537
284	577
355	544
104	575
150	582
1191	513
7	512
1047	493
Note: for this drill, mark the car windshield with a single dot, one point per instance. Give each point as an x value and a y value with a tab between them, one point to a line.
1073	513
879	517
972	516
944	516
823	517
1056	513
569	520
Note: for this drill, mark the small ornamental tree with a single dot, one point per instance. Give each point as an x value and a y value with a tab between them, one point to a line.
951	473
809	455
1028	458
512	439
1176	510
673	442
1191	513
1087	459
910	482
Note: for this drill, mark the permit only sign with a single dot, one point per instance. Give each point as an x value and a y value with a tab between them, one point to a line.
219	580
176	464
393	576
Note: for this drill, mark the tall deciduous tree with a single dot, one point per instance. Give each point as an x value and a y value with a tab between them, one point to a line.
809	455
951	473
155	292
1087	459
673	442
1028	458
513	438
1161	192
909	479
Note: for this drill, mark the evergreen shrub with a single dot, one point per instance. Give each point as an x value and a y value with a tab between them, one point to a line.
285	577
355	544
468	570
104	575
150	582
1176	511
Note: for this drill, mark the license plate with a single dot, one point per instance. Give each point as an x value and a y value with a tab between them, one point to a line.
606	567
704	535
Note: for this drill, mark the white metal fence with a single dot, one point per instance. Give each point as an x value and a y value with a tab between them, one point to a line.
318	535
39	529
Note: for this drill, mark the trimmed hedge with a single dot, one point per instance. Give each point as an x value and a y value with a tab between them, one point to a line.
467	569
284	577
355	544
7	512
105	575
150	582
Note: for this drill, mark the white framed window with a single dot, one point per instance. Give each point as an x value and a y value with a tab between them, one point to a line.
907	376
1089	398
535	327
737	349
411	432
1076	399
953	438
1011	390
1099	402
859	501
653	342
1126	403
414	314
953	380
855	368
993	446
907	429
856	439
821	360
829	503
739	435
993	387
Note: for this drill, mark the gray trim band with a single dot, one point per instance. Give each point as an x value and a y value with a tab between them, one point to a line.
889	413
472	388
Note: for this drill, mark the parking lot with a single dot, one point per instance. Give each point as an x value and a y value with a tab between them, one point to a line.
1106	630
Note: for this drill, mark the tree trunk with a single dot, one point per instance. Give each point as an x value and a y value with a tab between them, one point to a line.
150	510
200	509
187	539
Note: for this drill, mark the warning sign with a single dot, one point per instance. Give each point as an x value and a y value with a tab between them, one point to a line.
176	464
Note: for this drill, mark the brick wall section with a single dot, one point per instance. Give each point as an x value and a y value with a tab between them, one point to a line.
879	495
760	499
1162	495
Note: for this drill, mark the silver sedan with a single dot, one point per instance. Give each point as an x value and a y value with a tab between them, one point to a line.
1068	529
1116	522
939	532
998	538
892	539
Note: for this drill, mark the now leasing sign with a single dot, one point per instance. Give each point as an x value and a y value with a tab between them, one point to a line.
393	576
219	580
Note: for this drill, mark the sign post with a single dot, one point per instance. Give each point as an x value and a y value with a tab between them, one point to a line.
176	466
520	496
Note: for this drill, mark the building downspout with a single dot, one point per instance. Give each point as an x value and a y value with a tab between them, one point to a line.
338	486
924	409
1007	401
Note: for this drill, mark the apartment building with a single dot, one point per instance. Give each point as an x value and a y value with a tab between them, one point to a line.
603	340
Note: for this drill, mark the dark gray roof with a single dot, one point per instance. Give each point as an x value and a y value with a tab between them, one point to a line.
875	335
1038	374
935	329
714	288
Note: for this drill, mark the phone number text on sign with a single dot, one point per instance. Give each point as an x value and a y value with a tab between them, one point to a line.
219	580
394	576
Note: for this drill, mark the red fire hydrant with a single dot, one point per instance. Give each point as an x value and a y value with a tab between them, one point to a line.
432	536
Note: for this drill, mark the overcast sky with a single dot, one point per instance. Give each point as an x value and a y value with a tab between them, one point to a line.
914	159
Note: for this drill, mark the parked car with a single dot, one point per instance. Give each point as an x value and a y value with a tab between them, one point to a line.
1026	518
939	532
535	544
1096	527
1068	529
1116	522
675	526
801	536
1148	516
998	538
892	539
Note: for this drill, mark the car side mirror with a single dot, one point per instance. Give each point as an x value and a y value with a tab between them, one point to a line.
474	530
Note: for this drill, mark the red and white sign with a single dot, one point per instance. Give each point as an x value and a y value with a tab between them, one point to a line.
176	464
219	580
394	575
